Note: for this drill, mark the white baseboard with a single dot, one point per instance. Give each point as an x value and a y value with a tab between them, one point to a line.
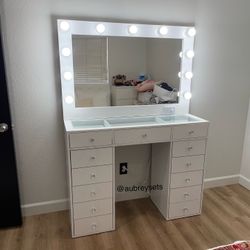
44	207
245	182
221	181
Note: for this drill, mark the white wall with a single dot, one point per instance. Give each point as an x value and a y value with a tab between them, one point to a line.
29	29
221	83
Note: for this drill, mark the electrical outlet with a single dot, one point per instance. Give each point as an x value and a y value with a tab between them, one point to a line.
123	168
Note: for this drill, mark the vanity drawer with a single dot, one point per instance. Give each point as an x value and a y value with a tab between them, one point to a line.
184	209
185	194
91	157
185	148
142	135
93	225
187	163
92	208
82	176
92	192
90	139
190	131
186	179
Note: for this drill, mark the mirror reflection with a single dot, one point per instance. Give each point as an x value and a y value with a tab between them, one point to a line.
117	71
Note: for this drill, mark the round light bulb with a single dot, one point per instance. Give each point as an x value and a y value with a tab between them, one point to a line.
69	99
100	28
189	75
180	75
133	29
64	26
187	95
67	76
66	52
181	54
163	30
191	32
190	54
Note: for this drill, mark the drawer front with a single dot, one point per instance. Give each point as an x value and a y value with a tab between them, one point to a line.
186	179
90	139
93	225
190	131
82	176
185	194
141	136
92	192
186	148
188	163
184	209
91	157
92	208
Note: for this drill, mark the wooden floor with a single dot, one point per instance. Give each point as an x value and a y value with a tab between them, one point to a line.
225	218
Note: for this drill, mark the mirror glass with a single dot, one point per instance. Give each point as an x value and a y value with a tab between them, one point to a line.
118	71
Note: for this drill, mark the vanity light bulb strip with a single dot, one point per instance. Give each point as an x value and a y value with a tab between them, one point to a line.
191	32
163	30
67	76
190	54
69	99
189	75
187	95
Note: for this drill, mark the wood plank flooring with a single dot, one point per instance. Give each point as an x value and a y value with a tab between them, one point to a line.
225	218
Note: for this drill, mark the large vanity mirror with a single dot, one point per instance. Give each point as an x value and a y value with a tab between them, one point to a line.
118	64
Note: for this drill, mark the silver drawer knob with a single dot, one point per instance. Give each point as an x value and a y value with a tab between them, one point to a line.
144	135
92	193
93	210
186	195
94	226
185	210
189	164
190	132
187	180
3	127
92	176
189	148
92	139
92	157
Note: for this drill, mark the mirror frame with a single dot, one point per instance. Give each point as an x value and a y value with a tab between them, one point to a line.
68	28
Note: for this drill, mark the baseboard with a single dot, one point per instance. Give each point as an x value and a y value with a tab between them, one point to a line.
44	207
221	181
245	182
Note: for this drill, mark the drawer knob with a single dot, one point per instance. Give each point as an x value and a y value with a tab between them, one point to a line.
92	158
189	148
187	180
190	132
186	195
189	164
94	226
185	210
92	176
93	193
144	135
92	139
93	210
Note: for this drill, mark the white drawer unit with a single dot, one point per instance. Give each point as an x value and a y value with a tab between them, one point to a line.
185	194
93	225
91	157
92	208
90	139
187	163
190	131
184	209
92	192
186	148
186	179
89	175
142	135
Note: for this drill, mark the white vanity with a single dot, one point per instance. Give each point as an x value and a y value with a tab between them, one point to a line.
91	53
178	155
